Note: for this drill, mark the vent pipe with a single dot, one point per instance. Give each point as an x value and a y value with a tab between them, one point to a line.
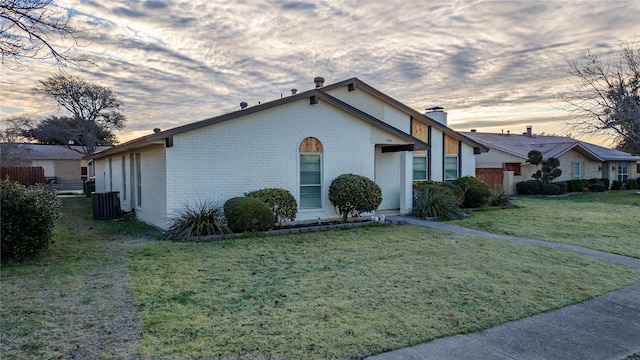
243	105
294	91
156	130
319	81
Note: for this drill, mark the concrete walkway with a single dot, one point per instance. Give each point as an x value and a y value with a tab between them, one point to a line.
605	327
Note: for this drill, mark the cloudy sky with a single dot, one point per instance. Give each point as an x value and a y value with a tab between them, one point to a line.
493	65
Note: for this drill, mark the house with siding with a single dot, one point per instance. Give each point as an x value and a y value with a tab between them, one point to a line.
299	143
64	166
506	162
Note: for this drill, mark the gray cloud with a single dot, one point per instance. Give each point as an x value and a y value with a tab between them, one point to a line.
489	63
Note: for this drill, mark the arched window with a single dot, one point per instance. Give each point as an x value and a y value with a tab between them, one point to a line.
310	173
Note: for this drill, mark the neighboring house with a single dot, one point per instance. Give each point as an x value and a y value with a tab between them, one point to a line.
62	166
506	162
299	143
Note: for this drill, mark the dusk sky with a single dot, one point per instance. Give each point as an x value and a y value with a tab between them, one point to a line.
492	65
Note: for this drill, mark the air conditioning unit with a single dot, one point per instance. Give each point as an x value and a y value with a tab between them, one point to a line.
106	205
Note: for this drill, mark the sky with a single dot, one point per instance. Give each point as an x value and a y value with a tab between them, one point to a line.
493	65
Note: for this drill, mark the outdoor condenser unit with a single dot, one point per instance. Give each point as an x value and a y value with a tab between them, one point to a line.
106	205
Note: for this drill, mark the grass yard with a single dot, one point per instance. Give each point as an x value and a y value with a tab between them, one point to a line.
347	293
602	221
76	300
107	290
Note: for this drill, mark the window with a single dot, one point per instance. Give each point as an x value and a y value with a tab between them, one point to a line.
138	179
450	168
515	167
110	176
419	168
124	178
577	174
623	172
310	173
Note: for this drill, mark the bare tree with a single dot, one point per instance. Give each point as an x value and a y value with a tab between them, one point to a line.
607	96
94	109
27	31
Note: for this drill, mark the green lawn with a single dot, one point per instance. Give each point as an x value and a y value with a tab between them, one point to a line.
347	293
109	290
602	221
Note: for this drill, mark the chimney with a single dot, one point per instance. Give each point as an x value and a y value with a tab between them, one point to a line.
319	81
243	105
294	91
156	130
438	114
529	133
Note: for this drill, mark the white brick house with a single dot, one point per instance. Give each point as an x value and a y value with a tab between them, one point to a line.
299	143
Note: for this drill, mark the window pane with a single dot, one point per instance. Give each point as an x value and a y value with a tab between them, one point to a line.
576	170
310	197
450	167
623	175
419	168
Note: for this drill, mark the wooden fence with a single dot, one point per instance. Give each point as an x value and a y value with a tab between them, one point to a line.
492	177
25	175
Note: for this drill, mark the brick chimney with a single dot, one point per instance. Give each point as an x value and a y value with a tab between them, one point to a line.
529	132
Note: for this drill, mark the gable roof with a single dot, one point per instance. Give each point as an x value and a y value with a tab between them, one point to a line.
549	146
356	83
50	152
313	95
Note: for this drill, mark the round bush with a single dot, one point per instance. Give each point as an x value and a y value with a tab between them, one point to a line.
563	187
598	187
247	214
529	187
550	189
476	192
283	205
28	218
616	185
353	194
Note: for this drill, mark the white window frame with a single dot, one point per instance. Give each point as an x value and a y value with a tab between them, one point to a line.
310	185
426	167
577	170
445	167
623	176
110	175
138	180
124	178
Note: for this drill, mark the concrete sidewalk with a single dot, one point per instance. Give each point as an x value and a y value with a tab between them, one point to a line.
605	327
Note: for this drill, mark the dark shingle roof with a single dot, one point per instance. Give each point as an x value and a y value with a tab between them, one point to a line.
52	152
549	146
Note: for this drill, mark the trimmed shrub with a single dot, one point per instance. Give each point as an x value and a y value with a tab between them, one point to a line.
616	185
563	187
352	194
476	192
529	187
598	187
435	201
605	182
247	214
578	184
203	219
28	218
632	184
283	205
550	189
